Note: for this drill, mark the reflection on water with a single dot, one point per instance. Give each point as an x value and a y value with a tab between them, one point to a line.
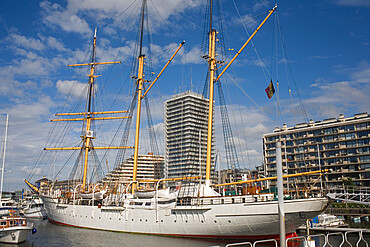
50	235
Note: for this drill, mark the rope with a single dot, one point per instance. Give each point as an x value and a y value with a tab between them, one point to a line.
284	50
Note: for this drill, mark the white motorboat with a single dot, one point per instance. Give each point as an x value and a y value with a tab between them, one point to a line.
14	230
34	209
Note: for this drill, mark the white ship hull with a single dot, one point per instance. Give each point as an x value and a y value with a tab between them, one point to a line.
36	213
251	220
14	235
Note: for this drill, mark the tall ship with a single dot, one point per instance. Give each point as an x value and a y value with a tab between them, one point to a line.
160	206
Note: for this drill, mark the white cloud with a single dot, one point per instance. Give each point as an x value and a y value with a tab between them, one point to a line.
70	19
56	16
28	169
24	42
246	20
260	5
193	56
354	3
362	73
55	44
26	135
71	87
338	97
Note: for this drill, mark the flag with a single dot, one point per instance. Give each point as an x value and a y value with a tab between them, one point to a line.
270	90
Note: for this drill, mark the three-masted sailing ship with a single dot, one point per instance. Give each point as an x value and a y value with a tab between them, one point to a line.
196	210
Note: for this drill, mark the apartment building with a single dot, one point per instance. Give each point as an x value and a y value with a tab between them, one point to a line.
150	166
340	145
186	121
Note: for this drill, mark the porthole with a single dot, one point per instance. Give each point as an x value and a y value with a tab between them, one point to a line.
202	221
215	221
174	221
229	221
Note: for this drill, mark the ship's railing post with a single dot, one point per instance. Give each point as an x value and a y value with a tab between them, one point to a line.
156	198
93	201
93	195
51	190
128	186
74	198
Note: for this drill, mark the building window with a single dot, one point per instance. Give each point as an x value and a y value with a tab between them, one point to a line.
271	139
328	138
364	150
300	150
350	127
362	134
361	126
351	144
365	158
271	145
363	142
317	132
330	130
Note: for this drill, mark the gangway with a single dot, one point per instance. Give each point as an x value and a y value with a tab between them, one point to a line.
360	195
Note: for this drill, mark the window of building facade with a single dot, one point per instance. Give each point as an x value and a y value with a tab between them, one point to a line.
361	126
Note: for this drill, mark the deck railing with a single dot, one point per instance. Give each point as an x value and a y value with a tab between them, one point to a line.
334	239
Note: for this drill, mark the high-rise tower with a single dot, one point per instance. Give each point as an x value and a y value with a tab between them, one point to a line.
186	121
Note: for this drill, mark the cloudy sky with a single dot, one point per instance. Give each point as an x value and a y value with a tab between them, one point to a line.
317	49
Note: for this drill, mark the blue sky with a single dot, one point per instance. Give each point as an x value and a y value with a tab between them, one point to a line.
324	60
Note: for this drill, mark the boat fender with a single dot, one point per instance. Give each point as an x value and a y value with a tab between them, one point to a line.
34	230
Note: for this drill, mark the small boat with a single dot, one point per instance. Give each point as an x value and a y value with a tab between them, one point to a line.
14	230
35	209
97	195
7	206
162	193
329	220
356	219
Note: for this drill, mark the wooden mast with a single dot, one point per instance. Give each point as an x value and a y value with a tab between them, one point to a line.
140	82
88	116
212	66
141	95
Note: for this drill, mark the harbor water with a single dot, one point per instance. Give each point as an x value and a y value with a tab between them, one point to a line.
50	235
